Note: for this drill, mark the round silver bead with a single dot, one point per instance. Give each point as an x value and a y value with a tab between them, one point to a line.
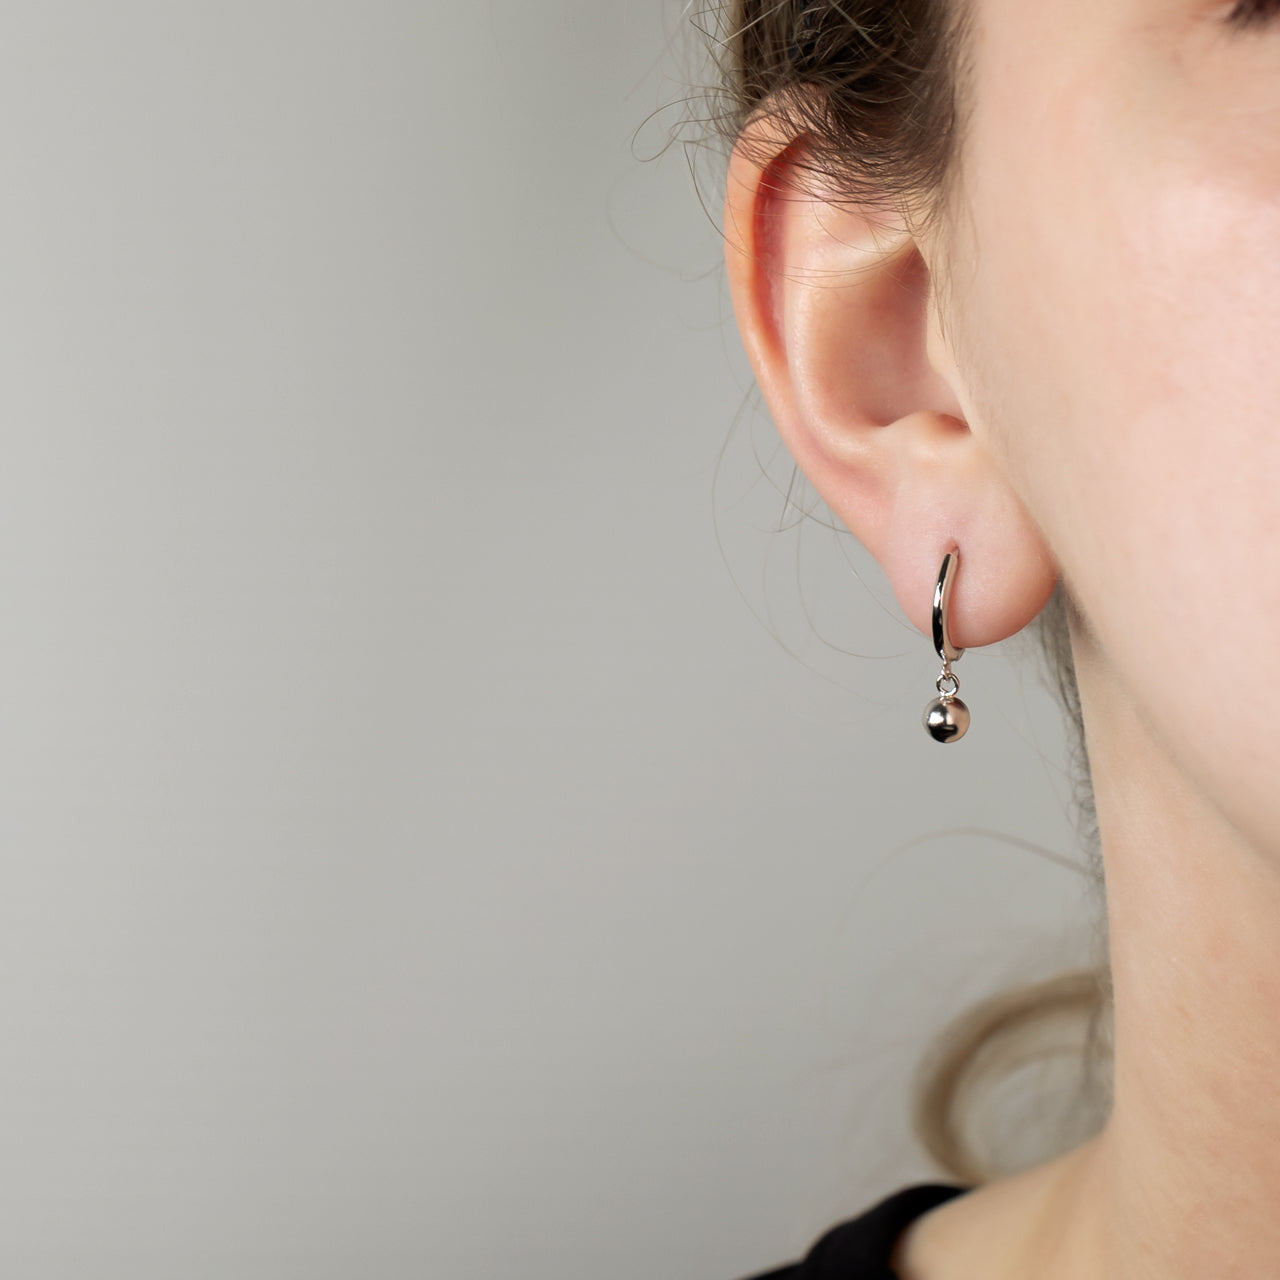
946	719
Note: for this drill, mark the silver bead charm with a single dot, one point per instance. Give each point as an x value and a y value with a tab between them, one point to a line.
946	717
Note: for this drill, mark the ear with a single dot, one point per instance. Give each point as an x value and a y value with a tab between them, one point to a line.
837	310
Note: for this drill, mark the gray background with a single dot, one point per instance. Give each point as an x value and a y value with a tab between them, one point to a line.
417	859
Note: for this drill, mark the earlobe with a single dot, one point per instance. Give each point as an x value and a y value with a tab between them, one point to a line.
836	307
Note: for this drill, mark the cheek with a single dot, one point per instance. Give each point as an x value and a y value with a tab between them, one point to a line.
1127	296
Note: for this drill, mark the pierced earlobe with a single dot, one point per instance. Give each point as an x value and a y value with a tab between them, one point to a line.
946	717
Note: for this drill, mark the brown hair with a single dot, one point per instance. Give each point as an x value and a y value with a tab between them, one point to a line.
886	125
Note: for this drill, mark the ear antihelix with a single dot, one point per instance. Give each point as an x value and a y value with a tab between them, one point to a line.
946	717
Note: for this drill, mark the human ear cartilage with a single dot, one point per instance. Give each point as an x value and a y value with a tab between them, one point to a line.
946	717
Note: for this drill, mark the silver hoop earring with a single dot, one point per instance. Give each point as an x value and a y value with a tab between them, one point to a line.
946	717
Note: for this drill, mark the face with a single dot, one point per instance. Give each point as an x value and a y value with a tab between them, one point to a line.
1115	258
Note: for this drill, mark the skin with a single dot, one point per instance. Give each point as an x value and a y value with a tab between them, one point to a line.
1095	395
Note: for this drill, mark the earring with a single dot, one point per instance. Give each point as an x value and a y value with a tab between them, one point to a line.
946	717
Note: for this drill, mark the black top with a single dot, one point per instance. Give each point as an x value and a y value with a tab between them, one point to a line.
861	1248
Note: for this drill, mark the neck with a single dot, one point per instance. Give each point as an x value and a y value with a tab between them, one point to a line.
1184	1180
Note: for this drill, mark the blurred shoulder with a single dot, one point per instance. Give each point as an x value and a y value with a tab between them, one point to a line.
863	1247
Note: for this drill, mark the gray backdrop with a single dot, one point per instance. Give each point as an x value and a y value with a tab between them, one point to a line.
417	859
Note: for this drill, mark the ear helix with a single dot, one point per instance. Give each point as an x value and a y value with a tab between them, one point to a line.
946	717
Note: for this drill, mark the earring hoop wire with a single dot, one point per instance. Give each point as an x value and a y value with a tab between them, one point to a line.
942	607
